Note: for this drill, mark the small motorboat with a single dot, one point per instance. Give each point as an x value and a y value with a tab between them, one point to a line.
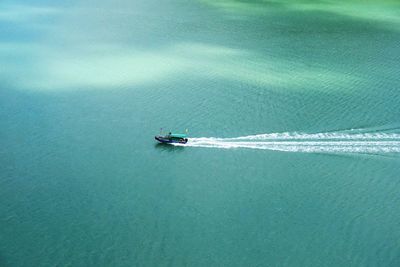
171	138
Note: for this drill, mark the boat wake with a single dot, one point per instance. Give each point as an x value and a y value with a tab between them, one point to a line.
352	141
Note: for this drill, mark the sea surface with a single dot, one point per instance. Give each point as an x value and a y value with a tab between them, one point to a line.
293	115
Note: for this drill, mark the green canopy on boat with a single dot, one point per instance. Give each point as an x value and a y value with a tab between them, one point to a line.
178	135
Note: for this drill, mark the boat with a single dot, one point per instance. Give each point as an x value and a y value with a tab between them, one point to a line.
172	138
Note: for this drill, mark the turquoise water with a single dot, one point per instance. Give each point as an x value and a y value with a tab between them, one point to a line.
292	108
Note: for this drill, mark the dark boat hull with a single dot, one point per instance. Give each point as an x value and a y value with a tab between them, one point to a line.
164	140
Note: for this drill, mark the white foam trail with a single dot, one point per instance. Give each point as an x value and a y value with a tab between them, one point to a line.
334	142
319	136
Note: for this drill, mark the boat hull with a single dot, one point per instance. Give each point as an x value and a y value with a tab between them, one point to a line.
164	140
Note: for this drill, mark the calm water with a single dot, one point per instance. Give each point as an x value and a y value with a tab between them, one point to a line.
293	108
